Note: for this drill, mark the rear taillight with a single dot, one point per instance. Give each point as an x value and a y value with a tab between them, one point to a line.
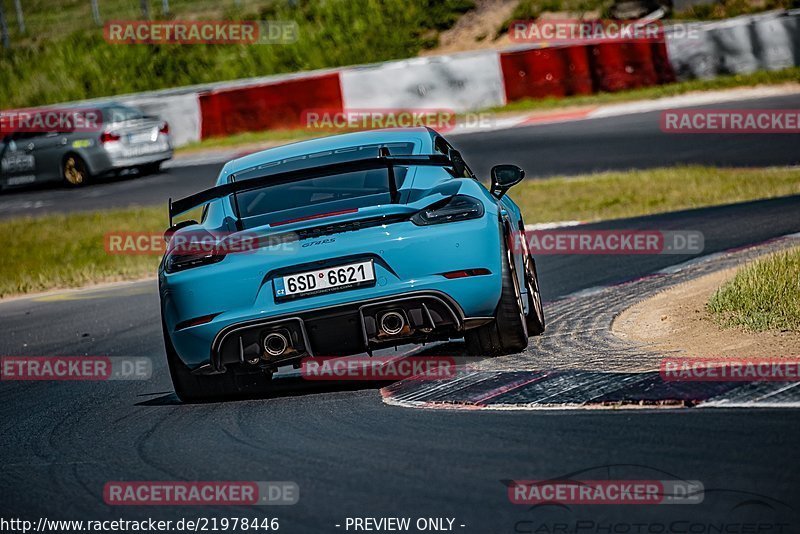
197	321
192	249
106	137
456	208
164	128
181	261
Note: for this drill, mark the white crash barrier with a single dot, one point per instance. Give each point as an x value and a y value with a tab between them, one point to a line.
741	45
693	54
182	112
775	41
460	82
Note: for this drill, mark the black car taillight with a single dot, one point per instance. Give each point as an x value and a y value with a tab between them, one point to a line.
192	249
457	208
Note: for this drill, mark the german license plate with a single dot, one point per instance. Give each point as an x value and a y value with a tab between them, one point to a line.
143	137
325	280
142	150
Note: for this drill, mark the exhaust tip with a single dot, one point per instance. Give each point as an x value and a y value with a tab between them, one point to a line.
275	344
392	323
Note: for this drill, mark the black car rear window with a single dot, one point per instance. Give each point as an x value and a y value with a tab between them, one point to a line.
314	196
114	114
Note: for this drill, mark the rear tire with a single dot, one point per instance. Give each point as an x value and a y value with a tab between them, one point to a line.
508	333
200	388
535	319
150	168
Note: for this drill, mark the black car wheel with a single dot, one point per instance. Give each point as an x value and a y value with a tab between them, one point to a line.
74	171
508	333
150	168
535	318
190	387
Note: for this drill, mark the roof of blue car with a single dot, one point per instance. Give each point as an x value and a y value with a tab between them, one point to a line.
423	137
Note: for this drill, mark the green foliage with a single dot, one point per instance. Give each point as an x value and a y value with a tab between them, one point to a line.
332	33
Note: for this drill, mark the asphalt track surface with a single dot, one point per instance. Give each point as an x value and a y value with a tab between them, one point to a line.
615	143
353	456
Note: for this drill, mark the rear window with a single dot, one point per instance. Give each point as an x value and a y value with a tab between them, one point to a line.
285	202
121	114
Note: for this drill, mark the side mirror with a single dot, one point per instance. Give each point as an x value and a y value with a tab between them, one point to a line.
504	177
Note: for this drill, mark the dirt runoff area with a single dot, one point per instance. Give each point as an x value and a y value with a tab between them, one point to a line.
676	320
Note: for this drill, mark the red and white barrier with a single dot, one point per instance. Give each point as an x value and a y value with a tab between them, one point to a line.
475	80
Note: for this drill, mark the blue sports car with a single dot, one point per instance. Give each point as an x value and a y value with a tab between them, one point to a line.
339	246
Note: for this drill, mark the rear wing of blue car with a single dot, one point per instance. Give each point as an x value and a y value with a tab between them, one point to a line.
383	161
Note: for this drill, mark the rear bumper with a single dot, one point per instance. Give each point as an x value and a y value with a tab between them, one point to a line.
121	160
340	330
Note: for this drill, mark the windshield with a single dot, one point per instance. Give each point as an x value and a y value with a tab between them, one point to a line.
315	196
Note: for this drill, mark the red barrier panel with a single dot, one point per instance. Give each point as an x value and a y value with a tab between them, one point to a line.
617	66
267	106
661	63
556	71
579	79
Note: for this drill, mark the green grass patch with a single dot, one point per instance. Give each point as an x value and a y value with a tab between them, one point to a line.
762	296
59	251
244	139
79	64
612	195
68	250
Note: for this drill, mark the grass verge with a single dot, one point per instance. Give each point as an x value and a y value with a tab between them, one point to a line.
68	250
612	195
58	251
762	296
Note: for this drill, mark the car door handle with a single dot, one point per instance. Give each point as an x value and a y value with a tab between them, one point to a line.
30	147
